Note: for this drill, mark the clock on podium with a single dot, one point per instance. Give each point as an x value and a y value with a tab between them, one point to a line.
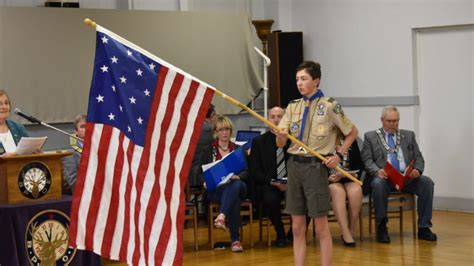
34	180
26	178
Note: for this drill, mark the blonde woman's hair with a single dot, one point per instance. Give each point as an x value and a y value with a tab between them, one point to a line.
223	122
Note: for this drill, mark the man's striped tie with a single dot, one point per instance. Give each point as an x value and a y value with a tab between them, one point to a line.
281	165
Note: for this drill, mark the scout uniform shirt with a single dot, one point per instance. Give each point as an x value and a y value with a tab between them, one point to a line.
324	115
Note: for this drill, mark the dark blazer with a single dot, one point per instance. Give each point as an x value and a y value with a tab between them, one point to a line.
17	130
262	161
374	154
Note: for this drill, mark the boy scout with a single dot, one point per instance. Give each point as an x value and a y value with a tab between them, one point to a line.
314	120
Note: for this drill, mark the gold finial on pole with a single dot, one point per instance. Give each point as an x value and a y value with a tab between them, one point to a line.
90	22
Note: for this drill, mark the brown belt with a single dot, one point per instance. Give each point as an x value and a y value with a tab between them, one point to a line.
305	159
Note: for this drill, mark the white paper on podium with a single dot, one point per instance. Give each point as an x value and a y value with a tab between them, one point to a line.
27	145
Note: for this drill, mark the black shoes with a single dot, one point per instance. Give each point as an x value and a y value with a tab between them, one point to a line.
348	244
382	234
426	234
280	243
423	234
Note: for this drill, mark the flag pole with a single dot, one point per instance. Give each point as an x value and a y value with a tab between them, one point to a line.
93	24
293	139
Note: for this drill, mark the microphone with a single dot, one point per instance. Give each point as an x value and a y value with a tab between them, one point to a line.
27	117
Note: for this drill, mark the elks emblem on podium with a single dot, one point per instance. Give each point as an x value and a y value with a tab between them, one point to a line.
34	180
47	238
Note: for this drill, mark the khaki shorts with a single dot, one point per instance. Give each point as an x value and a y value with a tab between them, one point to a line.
308	187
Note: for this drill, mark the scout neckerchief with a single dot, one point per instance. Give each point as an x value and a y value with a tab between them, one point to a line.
307	103
385	144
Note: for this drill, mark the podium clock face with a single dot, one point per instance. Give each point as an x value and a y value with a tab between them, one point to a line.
34	180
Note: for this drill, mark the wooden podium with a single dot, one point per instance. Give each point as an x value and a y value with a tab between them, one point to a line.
36	177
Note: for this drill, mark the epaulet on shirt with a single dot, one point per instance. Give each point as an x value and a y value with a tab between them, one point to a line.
330	99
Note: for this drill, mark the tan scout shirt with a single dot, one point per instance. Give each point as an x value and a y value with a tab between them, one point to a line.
324	116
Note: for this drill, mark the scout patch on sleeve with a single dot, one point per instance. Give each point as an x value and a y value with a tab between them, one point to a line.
337	109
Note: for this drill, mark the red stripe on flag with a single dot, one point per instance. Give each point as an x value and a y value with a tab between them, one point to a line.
103	149
128	188
148	136
156	194
82	171
142	169
201	116
114	202
175	144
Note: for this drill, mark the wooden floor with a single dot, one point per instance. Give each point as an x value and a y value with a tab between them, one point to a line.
455	246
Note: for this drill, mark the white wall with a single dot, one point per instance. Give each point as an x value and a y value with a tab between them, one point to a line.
365	46
444	71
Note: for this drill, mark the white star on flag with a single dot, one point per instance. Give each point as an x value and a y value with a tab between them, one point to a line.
121	108
129	129
123	79
104	69
139	72
114	60
129	53
111	116
147	92
152	66
100	98
113	88
132	100
105	39
140	120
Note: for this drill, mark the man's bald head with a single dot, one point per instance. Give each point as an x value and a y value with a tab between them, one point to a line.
275	115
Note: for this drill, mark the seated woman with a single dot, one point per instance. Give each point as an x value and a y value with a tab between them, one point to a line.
10	132
341	188
230	194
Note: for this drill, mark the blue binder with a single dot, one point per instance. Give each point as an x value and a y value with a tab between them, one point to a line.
223	169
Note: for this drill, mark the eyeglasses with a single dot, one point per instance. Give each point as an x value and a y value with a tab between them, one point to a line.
223	129
392	121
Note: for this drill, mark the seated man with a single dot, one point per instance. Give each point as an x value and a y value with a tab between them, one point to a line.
267	165
399	147
71	163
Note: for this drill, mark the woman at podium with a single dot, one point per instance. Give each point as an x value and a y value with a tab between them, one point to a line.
10	131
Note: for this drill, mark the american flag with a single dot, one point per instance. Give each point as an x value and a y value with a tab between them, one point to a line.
143	123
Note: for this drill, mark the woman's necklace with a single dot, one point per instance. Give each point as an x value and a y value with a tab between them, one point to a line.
223	149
